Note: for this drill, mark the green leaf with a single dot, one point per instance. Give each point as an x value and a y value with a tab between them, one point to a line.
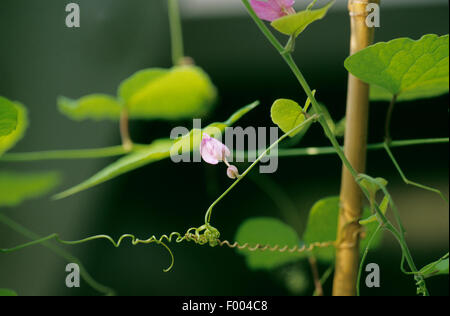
179	93
7	292
373	188
267	231
18	187
296	23
380	94
95	106
322	227
403	67
439	267
134	84
374	218
287	114
158	150
9	141
8	117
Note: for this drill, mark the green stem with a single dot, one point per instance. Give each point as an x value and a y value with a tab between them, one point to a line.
399	235
119	151
405	179
387	127
57	250
316	151
106	152
176	32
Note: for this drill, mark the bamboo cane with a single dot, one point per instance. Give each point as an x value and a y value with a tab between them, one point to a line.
357	113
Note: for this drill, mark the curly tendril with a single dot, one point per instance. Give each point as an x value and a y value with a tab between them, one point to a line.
259	247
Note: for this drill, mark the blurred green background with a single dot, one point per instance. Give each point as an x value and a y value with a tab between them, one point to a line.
40	59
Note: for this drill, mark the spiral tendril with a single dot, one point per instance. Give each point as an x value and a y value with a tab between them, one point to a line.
274	248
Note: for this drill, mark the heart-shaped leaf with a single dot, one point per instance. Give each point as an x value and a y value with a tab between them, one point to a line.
296	23
8	117
405	68
172	94
18	187
267	231
322	227
183	92
8	141
287	114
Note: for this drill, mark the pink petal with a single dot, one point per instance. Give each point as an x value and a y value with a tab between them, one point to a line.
284	3
268	11
212	150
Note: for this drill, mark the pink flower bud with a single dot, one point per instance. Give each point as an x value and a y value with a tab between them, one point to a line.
212	150
232	172
271	10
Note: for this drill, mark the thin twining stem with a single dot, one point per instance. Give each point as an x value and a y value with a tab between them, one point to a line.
388	144
406	180
313	118
387	126
134	241
59	251
316	151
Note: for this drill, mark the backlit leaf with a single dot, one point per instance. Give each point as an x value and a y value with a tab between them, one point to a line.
287	114
9	141
178	93
18	187
404	67
8	117
296	23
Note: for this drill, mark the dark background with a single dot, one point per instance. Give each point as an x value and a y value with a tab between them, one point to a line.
40	59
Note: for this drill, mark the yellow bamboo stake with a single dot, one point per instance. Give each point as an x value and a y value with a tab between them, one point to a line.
357	113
